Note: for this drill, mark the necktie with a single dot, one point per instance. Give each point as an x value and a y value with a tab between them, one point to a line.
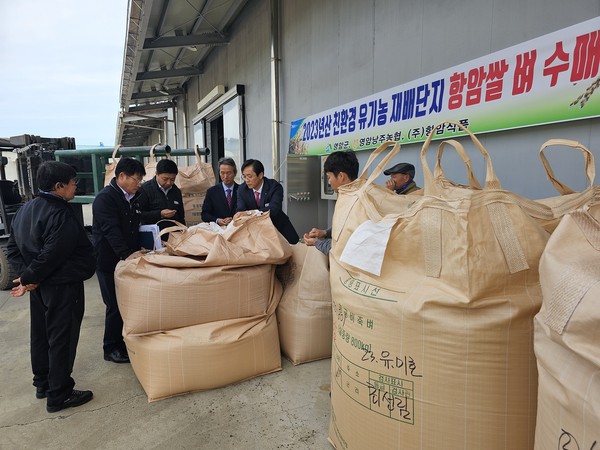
257	197
229	197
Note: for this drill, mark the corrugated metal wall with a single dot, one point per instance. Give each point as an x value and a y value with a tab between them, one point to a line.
336	51
245	60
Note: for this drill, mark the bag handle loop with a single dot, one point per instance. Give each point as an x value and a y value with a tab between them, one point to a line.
590	170
177	227
152	157
198	158
438	172
383	163
429	185
373	155
114	153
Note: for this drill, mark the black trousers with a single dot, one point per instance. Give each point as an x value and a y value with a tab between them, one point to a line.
113	323
56	315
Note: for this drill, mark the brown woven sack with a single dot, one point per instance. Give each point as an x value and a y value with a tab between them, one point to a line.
192	207
251	239
194	181
206	356
304	313
433	300
567	335
160	292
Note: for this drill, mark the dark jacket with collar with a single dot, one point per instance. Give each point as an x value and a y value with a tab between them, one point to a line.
271	199
115	226
215	204
153	200
48	244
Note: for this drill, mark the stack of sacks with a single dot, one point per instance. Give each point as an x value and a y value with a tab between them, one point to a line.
567	335
433	304
194	181
304	313
200	315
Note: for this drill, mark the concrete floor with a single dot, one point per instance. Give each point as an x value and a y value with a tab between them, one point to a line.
284	410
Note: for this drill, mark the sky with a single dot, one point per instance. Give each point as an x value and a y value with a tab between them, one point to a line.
60	68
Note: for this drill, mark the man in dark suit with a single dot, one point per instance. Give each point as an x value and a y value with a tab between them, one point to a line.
220	201
115	232
264	194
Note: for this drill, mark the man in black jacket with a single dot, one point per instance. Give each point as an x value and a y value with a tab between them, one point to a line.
264	194
115	232
219	204
160	198
52	254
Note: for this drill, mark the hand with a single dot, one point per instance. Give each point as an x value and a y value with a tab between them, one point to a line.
20	290
390	184
225	221
167	213
316	233
310	241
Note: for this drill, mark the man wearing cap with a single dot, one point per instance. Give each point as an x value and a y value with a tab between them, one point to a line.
401	178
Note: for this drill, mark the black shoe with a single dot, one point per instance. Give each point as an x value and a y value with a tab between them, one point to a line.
117	356
77	398
40	392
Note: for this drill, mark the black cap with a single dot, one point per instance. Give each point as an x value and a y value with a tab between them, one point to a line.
401	168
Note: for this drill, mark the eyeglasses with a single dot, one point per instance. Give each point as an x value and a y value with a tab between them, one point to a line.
138	180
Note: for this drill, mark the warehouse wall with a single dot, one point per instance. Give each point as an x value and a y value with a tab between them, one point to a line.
338	51
245	60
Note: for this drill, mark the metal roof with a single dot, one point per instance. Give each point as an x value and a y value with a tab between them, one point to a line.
167	42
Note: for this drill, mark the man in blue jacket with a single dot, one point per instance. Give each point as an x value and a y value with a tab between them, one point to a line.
264	194
115	232
52	254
